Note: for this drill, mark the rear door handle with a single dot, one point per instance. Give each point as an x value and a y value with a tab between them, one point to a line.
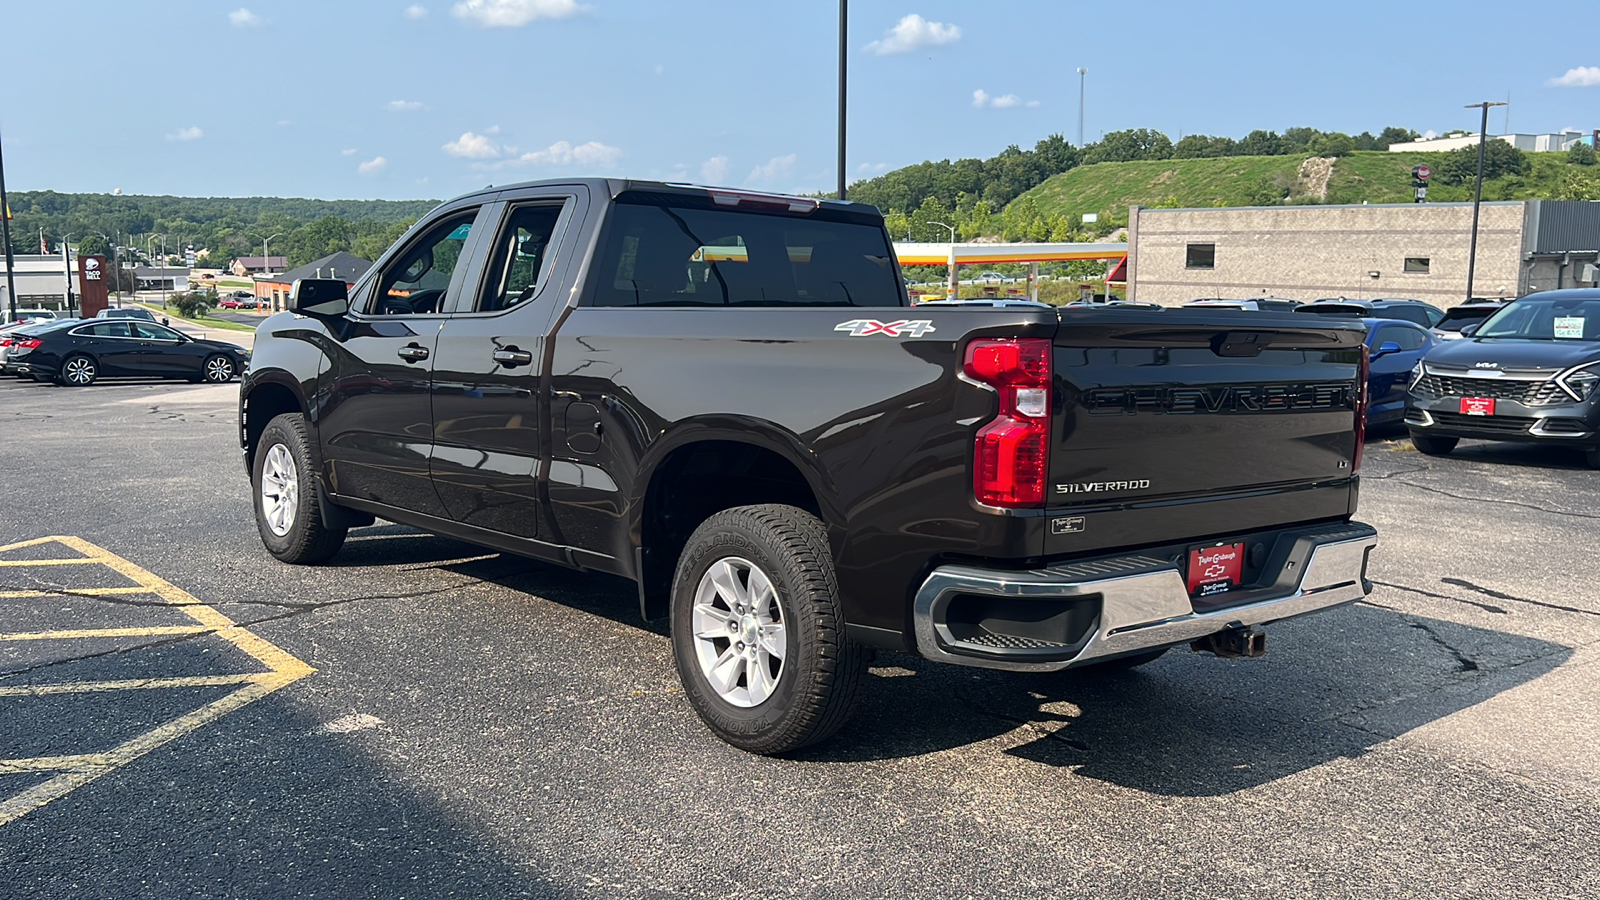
412	353
511	357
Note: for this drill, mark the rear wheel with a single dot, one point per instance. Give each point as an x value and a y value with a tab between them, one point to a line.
1434	445
288	514
758	630
79	371
217	369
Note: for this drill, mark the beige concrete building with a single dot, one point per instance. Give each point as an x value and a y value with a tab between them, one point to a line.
1415	250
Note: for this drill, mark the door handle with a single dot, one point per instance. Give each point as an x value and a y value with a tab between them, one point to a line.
412	353
511	357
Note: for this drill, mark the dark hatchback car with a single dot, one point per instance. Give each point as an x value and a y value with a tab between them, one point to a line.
1527	373
1415	311
78	353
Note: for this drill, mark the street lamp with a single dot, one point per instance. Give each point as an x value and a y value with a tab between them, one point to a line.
266	261
952	288
1081	73
1477	191
66	264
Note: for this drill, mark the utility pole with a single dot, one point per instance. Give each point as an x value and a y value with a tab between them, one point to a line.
844	31
1082	72
5	238
1477	191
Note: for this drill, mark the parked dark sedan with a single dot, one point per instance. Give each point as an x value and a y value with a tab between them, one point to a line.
1425	314
1395	348
1528	373
78	353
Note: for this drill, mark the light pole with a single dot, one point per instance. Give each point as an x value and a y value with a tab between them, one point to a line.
66	263
844	28
952	288
5	238
116	270
266	261
1081	73
1477	191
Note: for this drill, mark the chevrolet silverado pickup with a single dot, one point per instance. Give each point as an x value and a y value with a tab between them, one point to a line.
725	397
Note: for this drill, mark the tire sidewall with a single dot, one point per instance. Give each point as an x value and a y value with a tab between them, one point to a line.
205	369
749	727
94	373
277	433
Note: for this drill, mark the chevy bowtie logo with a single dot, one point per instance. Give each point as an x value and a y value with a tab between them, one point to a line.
904	327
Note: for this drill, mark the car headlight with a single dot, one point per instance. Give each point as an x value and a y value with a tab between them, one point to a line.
1416	374
1579	382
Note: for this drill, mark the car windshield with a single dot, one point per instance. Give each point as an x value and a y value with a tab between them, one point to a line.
1460	317
1539	318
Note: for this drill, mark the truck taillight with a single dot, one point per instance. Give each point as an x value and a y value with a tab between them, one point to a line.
1010	454
1361	409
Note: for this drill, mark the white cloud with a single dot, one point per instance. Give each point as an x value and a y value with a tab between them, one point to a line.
1582	76
403	105
244	18
714	170
192	133
416	11
473	146
563	153
349	152
982	98
372	166
775	168
514	13
913	33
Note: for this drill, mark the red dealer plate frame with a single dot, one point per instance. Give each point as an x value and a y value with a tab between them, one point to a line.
1215	569
1477	406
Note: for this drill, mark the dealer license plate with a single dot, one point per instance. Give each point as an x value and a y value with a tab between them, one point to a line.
1213	570
1477	406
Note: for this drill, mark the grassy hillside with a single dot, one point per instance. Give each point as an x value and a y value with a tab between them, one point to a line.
1372	177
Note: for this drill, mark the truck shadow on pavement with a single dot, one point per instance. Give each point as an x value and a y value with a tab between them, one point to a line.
1331	686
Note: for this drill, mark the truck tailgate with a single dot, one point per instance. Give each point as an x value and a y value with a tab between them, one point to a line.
1173	406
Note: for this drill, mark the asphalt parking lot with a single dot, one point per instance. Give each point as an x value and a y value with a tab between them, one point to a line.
182	716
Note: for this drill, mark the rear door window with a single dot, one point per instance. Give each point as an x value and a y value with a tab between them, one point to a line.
522	255
656	254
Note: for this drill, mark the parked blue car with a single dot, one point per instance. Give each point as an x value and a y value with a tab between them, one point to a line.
1395	347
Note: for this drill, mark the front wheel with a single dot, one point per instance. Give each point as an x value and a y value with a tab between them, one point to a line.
1434	445
217	369
288	515
758	630
79	371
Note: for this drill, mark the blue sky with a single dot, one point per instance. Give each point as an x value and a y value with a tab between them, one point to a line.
401	99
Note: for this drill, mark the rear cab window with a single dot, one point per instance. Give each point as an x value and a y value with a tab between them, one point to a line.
670	250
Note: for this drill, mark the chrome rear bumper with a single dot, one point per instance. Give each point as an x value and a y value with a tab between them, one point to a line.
1142	602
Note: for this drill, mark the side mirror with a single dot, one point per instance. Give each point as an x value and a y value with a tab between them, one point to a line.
1471	329
1386	348
324	297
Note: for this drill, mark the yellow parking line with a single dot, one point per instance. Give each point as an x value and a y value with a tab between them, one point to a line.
103	632
75	561
133	684
82	769
91	593
48	764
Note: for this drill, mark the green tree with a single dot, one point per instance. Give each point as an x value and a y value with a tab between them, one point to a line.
1130	145
1260	143
1202	146
1333	143
1499	160
1395	135
1578	184
94	245
1581	155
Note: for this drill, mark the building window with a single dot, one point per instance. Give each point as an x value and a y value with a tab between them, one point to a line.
1416	265
1200	256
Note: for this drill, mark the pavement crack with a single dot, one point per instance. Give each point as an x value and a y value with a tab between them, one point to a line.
1487	607
1490	592
1533	506
115	600
114	651
1463	662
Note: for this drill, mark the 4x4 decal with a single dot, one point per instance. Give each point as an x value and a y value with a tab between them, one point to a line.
904	327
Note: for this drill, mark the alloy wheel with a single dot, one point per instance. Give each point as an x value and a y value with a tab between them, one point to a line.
280	490
218	369
79	371
740	637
